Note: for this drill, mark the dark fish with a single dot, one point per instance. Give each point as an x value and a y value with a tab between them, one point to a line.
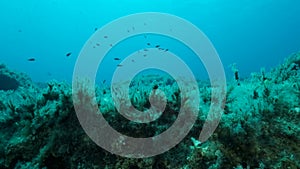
167	50
68	54
148	44
96	29
157	46
105	37
98	44
119	65
104	81
31	59
117	59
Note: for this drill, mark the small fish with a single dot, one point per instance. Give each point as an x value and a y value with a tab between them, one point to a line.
105	37
157	46
119	65
166	50
117	59
96	29
132	60
144	55
103	81
98	44
68	54
31	59
148	44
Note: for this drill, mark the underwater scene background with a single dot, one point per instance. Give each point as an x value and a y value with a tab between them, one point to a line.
258	44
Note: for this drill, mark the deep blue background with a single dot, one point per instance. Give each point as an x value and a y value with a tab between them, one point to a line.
251	33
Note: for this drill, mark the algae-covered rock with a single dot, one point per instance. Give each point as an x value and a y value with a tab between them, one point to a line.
10	80
259	127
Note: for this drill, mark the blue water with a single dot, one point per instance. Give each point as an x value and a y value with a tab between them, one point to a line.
251	33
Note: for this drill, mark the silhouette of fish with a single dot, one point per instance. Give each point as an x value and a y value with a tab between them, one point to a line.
31	59
117	59
68	54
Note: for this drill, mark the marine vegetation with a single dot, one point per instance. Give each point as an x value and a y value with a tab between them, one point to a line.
259	127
